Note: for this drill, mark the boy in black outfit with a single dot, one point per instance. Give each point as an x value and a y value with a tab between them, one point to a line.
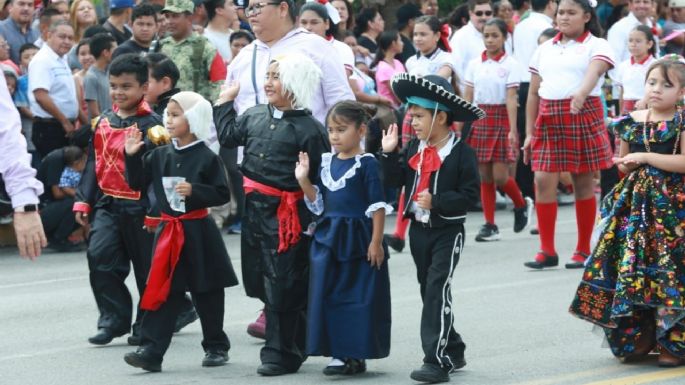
440	175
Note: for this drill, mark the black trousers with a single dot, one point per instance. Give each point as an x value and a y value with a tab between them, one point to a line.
58	219
436	252
48	135
157	326
525	177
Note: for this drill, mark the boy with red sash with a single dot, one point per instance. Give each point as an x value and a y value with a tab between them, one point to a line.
186	178
117	236
274	249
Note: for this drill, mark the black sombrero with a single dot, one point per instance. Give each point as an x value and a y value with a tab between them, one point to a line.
437	89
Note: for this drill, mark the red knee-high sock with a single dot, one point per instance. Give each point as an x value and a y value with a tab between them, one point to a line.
487	200
402	223
586	213
514	192
547	220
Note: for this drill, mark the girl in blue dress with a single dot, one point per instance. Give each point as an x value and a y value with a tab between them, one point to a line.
349	289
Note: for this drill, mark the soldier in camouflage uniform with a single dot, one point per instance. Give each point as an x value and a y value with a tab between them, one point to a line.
202	68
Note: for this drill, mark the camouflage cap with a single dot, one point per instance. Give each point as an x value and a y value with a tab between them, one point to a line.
179	6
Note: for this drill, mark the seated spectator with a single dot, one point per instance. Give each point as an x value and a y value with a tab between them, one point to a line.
60	173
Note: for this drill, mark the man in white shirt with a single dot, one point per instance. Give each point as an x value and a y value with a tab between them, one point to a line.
52	92
222	19
618	33
526	37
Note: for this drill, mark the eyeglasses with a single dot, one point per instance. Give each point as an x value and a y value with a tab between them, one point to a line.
256	9
481	13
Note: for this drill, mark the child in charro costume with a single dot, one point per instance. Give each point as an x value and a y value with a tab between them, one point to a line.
634	282
274	244
116	212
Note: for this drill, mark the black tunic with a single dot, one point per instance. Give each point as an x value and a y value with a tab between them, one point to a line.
204	264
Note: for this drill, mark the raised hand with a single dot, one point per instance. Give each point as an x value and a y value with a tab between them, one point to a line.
389	142
134	141
302	166
229	92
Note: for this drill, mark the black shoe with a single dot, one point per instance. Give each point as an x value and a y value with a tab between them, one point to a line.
488	232
351	367
215	359
184	319
577	261
133	340
65	246
139	359
270	370
394	243
540	263
522	216
104	336
431	373
534	231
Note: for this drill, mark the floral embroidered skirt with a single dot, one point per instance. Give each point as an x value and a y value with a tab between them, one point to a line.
634	281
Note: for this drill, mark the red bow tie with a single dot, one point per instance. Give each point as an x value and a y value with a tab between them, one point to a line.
425	165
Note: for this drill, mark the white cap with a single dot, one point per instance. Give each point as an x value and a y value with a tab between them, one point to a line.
676	3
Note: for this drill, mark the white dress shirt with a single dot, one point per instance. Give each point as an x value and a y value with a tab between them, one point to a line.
334	85
618	36
492	77
15	162
50	72
526	37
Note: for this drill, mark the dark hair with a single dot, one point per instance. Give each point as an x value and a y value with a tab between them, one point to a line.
649	36
670	62
549	33
593	24
94	30
472	3
211	6
350	13
81	43
291	9
160	66
539	5
361	23
117	11
385	40
500	24
348	111
143	9
434	24
616	14
130	63
518	4
26	47
460	16
100	43
73	154
241	34
47	15
323	13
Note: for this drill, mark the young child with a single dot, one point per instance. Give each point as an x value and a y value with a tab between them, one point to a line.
189	253
386	66
163	78
118	238
492	82
96	81
633	284
439	173
74	164
26	53
348	315
275	237
630	74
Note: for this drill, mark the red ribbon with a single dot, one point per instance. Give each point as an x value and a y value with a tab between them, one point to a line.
289	227
444	36
165	259
425	165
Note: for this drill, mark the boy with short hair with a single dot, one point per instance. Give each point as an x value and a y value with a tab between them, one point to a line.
119	235
163	78
96	81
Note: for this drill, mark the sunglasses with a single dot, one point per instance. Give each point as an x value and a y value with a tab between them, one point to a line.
481	13
256	9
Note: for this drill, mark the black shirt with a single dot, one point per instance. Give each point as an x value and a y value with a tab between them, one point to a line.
367	43
119	36
129	46
408	50
49	172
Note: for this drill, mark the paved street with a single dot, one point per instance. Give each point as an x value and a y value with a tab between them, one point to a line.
514	322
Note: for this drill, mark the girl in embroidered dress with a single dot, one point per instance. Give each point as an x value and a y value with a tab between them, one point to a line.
348	311
634	285
492	82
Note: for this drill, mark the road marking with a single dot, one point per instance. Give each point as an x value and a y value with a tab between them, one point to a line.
644	378
574	376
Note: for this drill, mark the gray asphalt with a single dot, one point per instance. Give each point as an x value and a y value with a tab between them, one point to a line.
514	321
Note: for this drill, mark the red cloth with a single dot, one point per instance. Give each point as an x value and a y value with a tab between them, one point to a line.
167	253
217	71
487	200
402	222
289	227
547	220
425	165
586	213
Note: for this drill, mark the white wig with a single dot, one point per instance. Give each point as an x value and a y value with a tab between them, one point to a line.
300	78
197	111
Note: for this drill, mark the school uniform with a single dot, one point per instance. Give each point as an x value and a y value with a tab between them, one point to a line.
491	79
577	143
630	75
422	65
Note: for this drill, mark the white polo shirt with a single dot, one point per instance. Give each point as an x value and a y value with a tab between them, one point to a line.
562	66
491	77
345	53
52	73
420	65
618	36
526	36
467	44
630	75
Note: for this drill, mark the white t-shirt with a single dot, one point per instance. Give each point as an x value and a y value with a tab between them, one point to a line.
630	76
420	65
491	78
52	73
618	36
526	37
562	66
220	40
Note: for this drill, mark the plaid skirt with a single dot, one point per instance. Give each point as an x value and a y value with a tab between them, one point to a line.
489	136
576	143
